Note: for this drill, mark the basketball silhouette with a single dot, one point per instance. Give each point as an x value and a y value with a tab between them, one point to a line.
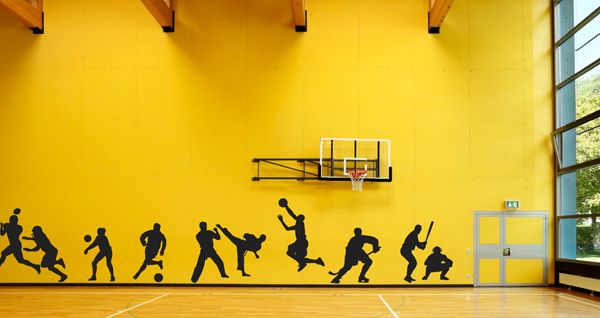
282	202
87	238
17	211
158	278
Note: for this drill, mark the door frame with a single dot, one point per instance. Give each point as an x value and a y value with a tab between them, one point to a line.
502	238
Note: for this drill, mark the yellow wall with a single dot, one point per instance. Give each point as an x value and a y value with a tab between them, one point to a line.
107	121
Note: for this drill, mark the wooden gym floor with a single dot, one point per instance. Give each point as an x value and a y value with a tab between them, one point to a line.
71	301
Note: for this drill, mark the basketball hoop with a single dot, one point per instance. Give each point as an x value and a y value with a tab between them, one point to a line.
357	176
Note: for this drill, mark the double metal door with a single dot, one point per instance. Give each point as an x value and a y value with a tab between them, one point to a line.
511	248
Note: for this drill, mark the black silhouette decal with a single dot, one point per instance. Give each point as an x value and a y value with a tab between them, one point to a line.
412	241
154	240
355	253
13	230
205	239
437	262
50	252
103	245
299	249
158	277
250	243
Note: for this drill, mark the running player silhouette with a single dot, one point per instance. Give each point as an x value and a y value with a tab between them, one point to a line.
411	241
298	249
355	253
153	240
101	241
249	244
50	252
437	262
12	231
205	239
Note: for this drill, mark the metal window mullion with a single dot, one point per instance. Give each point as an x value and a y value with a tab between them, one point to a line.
578	216
583	120
579	166
578	74
578	27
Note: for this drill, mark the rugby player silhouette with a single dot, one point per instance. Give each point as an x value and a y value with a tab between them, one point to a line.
50	252
13	230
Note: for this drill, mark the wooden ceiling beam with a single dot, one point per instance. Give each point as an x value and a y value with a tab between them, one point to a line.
163	12
29	12
300	15
438	9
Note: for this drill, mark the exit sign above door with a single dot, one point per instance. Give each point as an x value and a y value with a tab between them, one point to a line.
511	204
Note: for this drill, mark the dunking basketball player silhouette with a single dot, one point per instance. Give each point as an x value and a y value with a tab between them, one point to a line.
205	239
298	249
50	252
105	251
355	253
250	243
12	231
154	240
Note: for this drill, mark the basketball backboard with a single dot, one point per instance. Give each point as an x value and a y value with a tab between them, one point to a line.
337	155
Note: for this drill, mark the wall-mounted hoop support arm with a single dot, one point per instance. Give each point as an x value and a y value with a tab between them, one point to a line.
302	169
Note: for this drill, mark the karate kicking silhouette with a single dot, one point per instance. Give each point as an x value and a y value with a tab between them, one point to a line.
13	230
437	262
249	244
154	240
50	252
355	253
205	240
411	241
105	251
298	249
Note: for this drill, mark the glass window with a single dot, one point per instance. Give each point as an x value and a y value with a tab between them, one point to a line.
578	196
580	239
570	12
579	50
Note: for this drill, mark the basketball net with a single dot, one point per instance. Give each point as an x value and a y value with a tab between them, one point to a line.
357	176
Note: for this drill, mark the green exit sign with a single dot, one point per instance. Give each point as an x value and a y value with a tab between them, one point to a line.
511	204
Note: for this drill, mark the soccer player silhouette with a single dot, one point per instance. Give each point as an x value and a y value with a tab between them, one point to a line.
249	244
154	240
101	241
437	262
205	239
13	230
355	253
298	249
50	252
411	241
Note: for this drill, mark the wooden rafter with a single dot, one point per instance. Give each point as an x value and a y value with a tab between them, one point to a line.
29	12
299	15
438	9
163	12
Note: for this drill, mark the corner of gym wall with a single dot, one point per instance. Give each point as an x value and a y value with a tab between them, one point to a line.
105	121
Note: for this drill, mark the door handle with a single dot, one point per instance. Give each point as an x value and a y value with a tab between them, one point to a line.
506	251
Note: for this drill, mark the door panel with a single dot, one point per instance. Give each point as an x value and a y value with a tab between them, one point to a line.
525	271
489	230
524	230
489	271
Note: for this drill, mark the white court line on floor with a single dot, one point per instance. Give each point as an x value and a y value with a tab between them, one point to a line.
388	306
578	301
136	306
